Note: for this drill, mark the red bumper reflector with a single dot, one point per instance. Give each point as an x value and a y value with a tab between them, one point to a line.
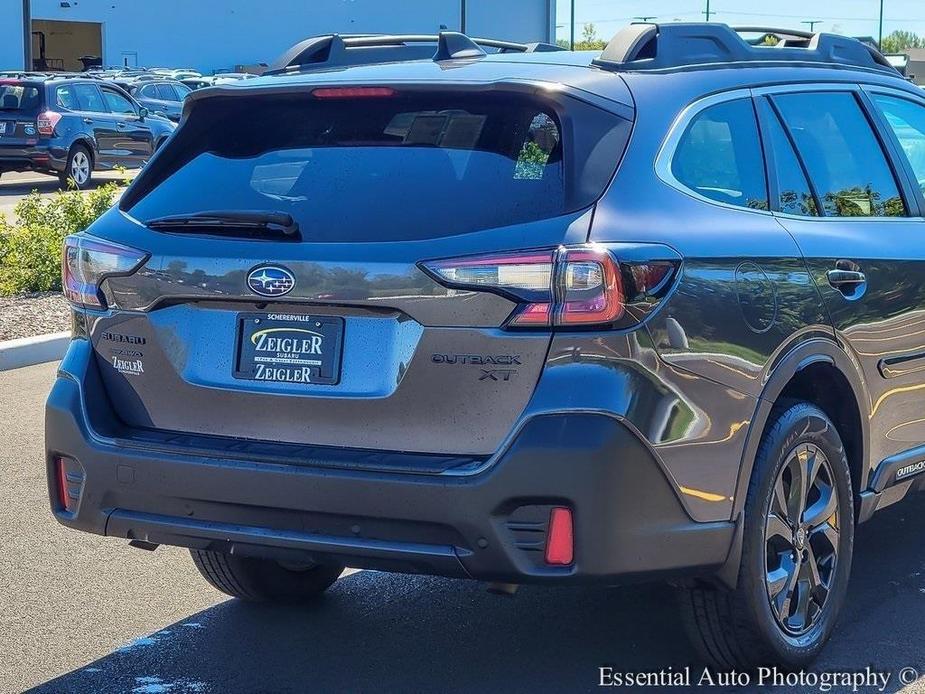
560	548
61	474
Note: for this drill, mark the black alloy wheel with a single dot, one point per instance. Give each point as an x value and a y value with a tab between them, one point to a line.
801	535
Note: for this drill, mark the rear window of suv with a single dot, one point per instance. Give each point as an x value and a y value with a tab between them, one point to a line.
403	167
20	96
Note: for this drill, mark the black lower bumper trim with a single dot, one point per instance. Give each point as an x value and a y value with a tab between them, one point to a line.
628	520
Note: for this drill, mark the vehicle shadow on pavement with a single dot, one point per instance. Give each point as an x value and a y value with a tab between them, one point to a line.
13	189
376	631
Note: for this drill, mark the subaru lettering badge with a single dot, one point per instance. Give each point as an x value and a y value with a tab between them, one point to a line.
270	280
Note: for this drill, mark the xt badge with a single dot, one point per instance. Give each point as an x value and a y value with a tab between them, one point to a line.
497	374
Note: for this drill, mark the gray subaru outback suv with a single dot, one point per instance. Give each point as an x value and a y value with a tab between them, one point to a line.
515	315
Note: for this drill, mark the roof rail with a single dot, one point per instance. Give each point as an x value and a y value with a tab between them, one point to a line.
339	50
642	46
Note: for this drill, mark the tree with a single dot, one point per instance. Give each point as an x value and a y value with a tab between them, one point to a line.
588	42
900	40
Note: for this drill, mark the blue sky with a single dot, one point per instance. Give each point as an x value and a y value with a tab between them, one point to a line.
852	17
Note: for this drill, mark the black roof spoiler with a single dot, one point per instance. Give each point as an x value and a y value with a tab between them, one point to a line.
339	50
645	46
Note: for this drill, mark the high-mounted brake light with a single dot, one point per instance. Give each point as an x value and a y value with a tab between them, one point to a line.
86	262
573	286
46	121
353	92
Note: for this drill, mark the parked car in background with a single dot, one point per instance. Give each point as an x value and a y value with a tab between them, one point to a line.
73	126
162	97
174	73
195	83
218	78
231	77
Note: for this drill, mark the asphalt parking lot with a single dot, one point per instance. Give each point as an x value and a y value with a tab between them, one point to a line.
15	186
80	613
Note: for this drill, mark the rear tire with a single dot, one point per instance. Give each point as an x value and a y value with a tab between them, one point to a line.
794	573
78	169
264	580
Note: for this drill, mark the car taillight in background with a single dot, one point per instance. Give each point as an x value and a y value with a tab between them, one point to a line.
571	286
86	262
46	121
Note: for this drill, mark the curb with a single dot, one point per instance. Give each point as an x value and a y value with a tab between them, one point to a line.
27	351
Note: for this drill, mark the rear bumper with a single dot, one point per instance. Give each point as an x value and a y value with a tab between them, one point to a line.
491	525
42	158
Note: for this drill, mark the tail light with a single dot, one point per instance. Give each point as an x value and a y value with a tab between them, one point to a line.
46	121
573	286
86	262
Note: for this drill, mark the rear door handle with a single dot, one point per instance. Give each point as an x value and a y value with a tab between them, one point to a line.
88	120
845	279
121	126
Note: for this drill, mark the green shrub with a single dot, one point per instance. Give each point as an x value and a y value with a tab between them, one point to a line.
30	246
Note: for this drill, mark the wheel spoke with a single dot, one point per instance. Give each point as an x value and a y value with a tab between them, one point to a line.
798	620
796	499
790	564
813	465
826	533
811	569
777	581
776	527
779	500
822	509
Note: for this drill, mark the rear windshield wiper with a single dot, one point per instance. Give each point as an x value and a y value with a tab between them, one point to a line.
227	221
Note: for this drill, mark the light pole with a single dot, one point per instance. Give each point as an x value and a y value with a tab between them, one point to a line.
880	36
27	35
812	23
572	32
708	13
645	18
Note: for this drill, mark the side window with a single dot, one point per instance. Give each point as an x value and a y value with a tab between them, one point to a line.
907	120
845	162
65	97
165	92
149	91
117	103
89	98
794	194
719	156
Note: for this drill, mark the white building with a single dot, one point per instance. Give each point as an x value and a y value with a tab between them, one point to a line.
217	35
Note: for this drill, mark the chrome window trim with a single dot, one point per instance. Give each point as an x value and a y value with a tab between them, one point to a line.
679	126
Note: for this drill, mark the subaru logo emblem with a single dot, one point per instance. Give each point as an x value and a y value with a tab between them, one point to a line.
270	280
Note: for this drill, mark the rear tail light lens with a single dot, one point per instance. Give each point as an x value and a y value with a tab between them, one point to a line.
46	122
86	262
580	286
592	291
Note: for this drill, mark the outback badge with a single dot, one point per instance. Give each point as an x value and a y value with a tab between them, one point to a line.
270	280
